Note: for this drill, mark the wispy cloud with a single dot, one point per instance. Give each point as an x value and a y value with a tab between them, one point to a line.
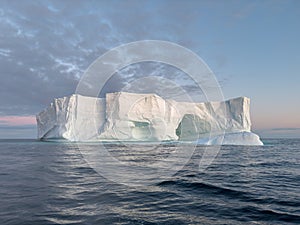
5	52
48	45
245	10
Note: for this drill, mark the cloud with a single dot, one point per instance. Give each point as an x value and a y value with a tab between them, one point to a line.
47	45
244	11
154	77
5	52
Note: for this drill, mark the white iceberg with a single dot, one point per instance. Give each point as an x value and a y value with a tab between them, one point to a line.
124	116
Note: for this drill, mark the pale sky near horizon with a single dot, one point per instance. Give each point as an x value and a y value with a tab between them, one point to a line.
252	47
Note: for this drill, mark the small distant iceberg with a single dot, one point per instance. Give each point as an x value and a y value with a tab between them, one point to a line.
125	116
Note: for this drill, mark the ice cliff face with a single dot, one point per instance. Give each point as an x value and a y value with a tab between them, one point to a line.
73	118
146	117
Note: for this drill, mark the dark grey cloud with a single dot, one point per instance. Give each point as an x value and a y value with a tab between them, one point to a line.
45	46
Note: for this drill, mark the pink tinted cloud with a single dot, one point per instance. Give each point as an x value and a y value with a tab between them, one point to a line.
17	120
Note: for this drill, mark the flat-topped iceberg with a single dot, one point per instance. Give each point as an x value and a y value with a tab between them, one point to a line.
124	116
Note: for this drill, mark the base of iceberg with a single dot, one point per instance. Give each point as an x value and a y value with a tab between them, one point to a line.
238	138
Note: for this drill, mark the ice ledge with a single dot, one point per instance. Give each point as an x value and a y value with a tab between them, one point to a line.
238	138
146	117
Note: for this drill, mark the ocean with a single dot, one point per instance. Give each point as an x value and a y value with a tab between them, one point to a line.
52	183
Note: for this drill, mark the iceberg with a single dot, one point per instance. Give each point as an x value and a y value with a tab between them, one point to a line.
125	116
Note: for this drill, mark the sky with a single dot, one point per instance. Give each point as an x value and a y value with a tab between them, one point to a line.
251	46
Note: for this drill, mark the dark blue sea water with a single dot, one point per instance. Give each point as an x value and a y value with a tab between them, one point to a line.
51	183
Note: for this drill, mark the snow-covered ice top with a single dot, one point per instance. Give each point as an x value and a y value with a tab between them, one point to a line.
146	117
